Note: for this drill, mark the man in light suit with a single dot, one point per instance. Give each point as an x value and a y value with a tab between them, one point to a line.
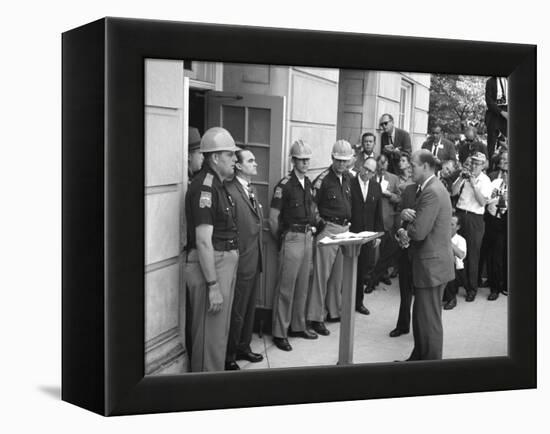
248	213
429	234
388	252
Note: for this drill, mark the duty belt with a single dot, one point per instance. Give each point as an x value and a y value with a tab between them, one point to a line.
300	228
337	220
225	245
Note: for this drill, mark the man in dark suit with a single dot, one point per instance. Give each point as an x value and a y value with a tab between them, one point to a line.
441	148
408	199
429	234
393	141
496	116
249	217
366	215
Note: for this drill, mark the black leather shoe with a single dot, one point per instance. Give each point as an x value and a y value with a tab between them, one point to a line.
451	304
470	296
231	366
396	333
329	319
250	356
492	296
385	280
369	288
282	344
319	328
362	310
394	273
504	292
306	334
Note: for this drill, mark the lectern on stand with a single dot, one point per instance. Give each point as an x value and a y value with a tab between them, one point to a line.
351	248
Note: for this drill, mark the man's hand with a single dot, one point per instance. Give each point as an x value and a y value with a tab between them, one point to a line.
215	298
408	214
403	238
375	243
388	148
504	114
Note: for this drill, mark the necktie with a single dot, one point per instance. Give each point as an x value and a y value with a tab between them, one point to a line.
434	149
418	191
251	196
390	139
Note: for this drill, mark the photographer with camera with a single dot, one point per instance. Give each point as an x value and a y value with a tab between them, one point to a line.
473	188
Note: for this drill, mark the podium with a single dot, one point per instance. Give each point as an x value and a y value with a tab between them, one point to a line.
351	247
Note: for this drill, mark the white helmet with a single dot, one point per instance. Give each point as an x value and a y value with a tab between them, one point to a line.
300	149
217	139
342	150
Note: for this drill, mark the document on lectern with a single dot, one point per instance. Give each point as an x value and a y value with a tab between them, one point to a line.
345	236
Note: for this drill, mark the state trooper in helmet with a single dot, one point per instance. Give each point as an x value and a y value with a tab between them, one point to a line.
332	193
194	155
292	218
212	251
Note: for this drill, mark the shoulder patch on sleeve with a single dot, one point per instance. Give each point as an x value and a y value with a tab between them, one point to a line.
278	193
205	200
208	180
319	179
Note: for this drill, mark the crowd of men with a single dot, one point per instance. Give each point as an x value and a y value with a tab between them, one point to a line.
442	210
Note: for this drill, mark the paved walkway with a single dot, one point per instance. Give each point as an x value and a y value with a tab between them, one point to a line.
477	329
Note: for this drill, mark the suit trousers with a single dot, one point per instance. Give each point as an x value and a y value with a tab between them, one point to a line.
289	303
365	266
244	304
497	261
427	325
405	291
389	249
325	295
472	229
209	331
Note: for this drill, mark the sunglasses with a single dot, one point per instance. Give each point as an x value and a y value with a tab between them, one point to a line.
383	124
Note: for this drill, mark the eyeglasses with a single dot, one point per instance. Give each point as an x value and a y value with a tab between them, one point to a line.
383	124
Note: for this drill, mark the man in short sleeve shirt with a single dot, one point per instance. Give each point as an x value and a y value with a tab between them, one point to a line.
212	254
292	217
474	191
332	193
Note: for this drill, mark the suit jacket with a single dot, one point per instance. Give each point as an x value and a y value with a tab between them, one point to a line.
389	203
445	151
430	233
366	215
249	223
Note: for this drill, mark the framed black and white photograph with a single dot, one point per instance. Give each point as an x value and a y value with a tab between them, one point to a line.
281	216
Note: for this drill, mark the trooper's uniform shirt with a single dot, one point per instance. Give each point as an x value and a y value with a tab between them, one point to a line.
332	196
293	201
208	203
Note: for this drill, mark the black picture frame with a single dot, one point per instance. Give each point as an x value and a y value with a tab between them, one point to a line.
103	218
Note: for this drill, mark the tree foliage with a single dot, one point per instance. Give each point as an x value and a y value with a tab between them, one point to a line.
457	101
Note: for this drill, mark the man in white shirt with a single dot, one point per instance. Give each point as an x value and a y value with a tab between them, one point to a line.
474	190
459	246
